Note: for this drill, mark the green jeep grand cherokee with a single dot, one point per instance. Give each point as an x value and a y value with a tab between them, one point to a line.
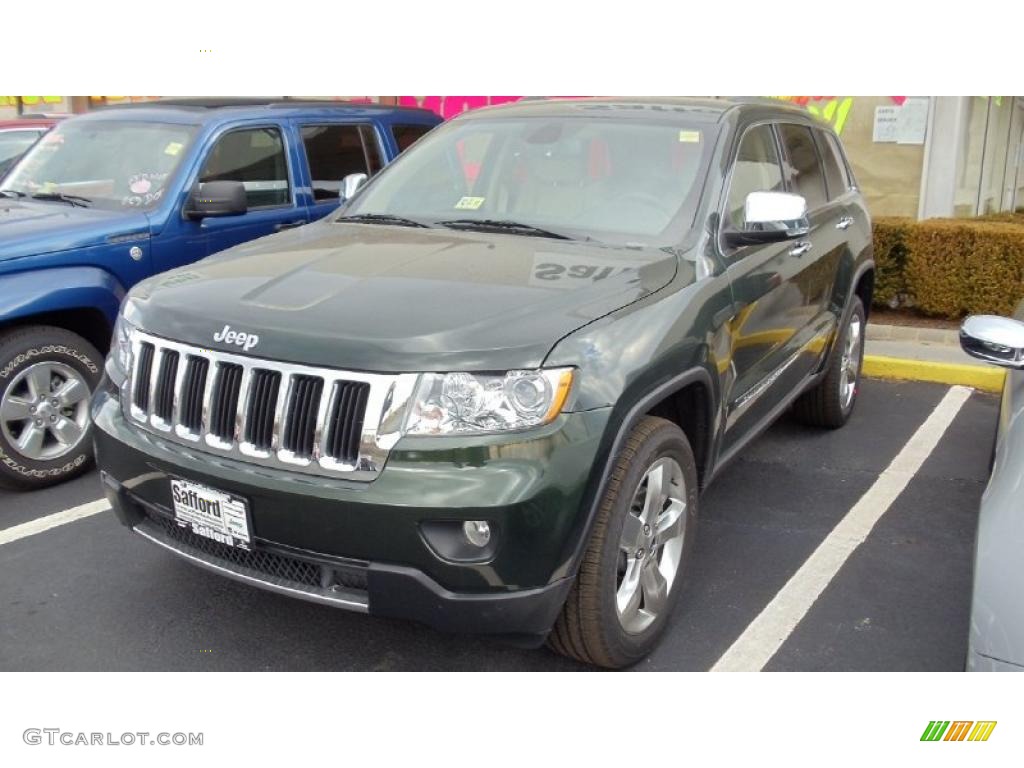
487	393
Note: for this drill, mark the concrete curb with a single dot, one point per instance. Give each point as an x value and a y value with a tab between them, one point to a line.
984	378
942	336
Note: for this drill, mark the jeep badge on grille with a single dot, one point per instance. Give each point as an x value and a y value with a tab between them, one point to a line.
244	340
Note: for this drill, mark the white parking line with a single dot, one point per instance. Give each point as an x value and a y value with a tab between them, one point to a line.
766	634
32	527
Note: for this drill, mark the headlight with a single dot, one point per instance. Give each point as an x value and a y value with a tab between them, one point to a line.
119	361
469	403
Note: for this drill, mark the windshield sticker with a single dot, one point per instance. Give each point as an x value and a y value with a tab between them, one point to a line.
145	188
689	137
173	148
469	203
140	186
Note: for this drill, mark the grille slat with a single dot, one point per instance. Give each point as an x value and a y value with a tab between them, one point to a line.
163	406
259	415
302	418
345	422
191	414
225	401
143	376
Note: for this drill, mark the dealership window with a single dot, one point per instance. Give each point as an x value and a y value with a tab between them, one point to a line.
803	167
756	169
972	153
255	157
1013	177
407	135
335	151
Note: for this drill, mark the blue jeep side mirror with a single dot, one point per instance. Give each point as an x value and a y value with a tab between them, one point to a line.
216	198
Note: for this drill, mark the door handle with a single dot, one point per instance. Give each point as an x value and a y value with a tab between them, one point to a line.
845	222
288	225
801	248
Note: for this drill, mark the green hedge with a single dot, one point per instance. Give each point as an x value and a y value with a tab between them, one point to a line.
950	267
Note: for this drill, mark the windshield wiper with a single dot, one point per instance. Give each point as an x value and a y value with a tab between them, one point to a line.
82	202
503	225
12	193
382	218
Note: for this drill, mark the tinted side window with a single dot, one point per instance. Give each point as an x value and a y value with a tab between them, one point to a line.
840	155
256	158
802	164
834	176
405	135
756	169
335	151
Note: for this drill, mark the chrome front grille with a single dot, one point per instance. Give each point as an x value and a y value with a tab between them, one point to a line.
308	419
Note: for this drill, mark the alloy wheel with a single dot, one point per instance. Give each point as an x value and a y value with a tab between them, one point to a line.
44	411
651	545
850	364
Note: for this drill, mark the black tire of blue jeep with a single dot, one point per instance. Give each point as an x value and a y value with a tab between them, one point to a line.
24	346
588	628
823	406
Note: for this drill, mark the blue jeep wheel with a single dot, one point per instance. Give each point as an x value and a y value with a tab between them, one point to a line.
47	376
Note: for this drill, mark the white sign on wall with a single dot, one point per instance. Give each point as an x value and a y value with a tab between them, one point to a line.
886	118
906	124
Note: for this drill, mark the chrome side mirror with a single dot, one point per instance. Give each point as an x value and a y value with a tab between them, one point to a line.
771	217
994	339
351	184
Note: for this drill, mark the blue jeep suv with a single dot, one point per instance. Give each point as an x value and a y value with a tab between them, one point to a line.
109	198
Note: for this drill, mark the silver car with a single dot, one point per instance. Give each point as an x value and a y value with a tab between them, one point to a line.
997	619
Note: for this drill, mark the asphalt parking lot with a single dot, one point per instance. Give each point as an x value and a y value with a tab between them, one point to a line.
88	595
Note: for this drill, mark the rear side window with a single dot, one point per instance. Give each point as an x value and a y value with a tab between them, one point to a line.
756	169
256	158
835	176
335	151
13	143
844	166
802	164
406	135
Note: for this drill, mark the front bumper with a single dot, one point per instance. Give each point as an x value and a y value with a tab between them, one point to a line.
362	546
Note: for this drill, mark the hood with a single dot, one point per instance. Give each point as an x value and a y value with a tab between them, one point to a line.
31	228
393	299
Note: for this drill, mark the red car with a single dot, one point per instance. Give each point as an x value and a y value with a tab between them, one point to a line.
18	135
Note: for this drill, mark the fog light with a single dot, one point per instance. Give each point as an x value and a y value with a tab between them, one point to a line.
477	532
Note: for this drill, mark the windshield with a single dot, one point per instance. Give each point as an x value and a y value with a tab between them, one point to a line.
621	181
102	163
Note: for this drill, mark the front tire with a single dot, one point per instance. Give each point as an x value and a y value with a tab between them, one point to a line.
47	376
632	570
831	401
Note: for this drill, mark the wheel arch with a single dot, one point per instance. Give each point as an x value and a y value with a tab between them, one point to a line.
692	387
81	300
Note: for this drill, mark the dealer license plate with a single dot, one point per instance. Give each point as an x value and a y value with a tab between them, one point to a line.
213	514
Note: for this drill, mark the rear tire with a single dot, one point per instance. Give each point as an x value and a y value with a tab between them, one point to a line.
47	376
831	402
633	567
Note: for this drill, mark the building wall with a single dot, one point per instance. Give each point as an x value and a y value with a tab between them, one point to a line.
975	155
